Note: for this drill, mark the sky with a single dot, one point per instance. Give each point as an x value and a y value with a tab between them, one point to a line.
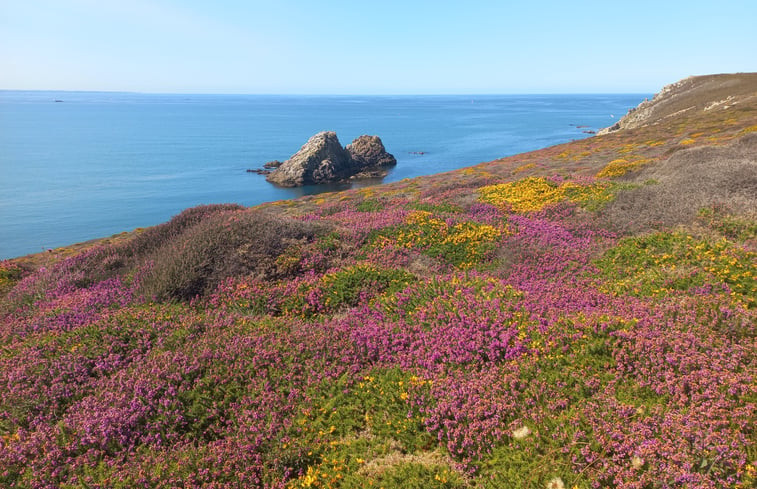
368	47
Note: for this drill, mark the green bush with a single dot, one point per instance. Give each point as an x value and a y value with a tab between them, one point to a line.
409	475
342	289
349	286
657	264
370	205
10	274
435	208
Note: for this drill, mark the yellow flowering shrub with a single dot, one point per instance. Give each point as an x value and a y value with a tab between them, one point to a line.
464	244
658	264
535	193
621	166
524	167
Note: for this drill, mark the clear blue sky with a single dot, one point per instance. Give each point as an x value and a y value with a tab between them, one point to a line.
362	47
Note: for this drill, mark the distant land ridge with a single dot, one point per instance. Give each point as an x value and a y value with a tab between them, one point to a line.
691	95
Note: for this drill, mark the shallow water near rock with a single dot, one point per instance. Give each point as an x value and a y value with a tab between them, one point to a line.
95	163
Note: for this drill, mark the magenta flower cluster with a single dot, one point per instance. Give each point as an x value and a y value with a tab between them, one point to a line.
525	363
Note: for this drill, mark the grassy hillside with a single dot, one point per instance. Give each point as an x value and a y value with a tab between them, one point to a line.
579	316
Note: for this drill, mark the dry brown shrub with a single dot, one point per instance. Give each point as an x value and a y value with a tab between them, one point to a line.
672	191
221	246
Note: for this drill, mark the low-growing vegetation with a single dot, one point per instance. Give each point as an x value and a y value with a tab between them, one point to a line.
509	325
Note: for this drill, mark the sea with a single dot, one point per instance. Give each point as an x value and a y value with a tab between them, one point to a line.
75	166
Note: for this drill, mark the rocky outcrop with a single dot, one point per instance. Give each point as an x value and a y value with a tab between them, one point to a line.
369	151
323	159
688	96
272	164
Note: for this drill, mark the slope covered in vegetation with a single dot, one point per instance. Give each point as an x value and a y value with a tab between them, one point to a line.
552	319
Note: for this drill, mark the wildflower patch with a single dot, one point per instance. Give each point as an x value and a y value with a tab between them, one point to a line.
621	166
464	243
536	193
659	264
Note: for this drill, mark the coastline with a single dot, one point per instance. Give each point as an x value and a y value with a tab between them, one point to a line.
124	172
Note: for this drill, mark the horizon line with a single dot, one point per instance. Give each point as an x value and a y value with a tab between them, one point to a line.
324	94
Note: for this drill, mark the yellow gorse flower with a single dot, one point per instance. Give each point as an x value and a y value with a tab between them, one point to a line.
535	193
621	166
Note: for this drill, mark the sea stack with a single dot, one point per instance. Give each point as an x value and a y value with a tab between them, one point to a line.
323	160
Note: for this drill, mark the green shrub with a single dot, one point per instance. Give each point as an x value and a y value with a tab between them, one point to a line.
435	208
733	227
370	205
408	475
10	274
358	431
657	264
464	244
344	288
349	286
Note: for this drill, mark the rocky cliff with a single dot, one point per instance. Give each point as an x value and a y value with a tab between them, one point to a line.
689	96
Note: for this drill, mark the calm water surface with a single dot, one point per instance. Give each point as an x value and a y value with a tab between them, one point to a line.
96	164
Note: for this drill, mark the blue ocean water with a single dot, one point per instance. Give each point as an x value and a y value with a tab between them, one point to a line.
81	165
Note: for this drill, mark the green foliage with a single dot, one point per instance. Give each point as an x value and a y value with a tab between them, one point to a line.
732	227
329	242
353	424
597	196
378	403
464	244
642	397
370	205
444	293
657	264
350	286
408	475
9	273
339	290
437	207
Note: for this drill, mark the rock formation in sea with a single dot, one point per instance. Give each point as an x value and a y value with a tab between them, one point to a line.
369	151
323	159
